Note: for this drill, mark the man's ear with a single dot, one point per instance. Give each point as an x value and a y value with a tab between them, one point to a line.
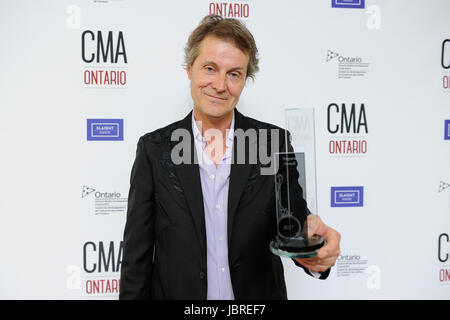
188	71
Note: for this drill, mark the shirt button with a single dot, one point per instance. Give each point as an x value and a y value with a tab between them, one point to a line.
220	238
202	275
217	207
223	269
212	176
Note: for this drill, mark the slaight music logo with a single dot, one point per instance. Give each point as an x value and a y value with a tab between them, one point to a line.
105	57
349	67
447	130
347	196
231	9
348	4
348	129
104	129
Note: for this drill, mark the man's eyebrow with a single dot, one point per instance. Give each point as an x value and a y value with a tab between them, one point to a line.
215	65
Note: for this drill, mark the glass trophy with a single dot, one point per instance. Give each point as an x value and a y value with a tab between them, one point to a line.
296	169
292	239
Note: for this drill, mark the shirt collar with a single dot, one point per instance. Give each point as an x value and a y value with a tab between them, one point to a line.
198	135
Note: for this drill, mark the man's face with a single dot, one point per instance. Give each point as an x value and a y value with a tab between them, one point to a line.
217	77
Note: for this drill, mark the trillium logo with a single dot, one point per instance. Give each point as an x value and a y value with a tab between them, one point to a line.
86	191
331	55
443	185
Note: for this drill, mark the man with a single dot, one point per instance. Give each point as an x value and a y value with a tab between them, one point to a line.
201	228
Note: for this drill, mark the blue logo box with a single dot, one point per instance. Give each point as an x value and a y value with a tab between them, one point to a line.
347	196
356	4
105	129
447	130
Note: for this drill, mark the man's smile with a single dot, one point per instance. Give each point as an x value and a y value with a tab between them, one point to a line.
211	96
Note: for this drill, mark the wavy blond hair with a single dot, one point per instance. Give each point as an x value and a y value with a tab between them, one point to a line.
226	29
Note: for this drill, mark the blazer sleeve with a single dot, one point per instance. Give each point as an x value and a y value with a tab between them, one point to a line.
138	238
302	208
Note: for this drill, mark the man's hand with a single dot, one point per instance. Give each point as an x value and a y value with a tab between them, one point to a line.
328	254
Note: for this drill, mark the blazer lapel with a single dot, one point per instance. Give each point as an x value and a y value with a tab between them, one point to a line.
238	173
189	175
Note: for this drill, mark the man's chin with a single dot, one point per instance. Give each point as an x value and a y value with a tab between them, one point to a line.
216	113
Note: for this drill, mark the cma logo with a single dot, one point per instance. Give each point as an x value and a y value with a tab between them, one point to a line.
300	127
445	54
102	47
298	123
342	119
98	257
443	247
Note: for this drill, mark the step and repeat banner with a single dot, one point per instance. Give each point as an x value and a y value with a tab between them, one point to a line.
81	81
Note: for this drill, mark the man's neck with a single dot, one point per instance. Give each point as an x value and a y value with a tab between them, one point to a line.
222	123
213	129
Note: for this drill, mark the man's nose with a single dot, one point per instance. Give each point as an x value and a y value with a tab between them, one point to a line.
219	83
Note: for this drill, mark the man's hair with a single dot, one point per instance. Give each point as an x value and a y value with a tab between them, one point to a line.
226	29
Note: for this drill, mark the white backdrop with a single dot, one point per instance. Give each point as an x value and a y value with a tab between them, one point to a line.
63	197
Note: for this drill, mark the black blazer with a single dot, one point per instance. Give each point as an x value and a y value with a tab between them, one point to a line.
164	245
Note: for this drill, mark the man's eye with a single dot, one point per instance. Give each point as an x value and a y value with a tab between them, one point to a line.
235	75
209	69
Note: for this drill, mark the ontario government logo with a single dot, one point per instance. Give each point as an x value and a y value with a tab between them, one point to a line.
445	186
104	203
348	67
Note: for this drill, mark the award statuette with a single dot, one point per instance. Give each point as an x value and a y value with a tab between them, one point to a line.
292	240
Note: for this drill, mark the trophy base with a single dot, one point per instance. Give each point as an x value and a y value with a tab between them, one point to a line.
297	247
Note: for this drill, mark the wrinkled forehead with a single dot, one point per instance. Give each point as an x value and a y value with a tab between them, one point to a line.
222	52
